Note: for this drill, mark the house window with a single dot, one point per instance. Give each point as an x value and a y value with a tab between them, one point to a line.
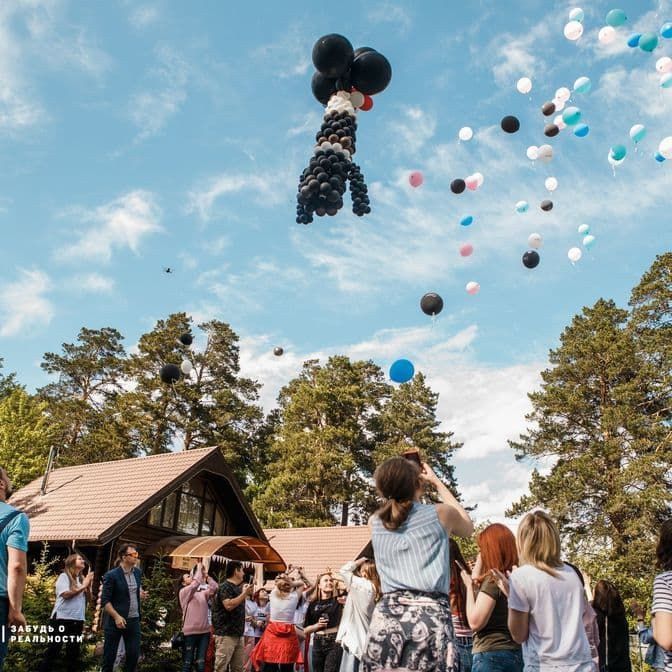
189	510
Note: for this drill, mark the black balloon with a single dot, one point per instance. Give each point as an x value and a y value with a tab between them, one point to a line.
322	87
510	124
431	304
278	352
371	72
332	55
547	205
548	109
458	186
186	338
170	373
362	50
531	259
551	130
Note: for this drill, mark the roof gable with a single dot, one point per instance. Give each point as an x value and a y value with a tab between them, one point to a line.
94	502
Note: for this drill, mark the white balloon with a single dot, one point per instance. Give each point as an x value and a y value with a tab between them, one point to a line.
563	93
573	30
576	14
186	367
583	229
665	147
532	152
545	153
588	241
606	35
479	178
465	133
574	254
357	99
551	183
559	122
559	104
524	85
535	240
664	64
473	287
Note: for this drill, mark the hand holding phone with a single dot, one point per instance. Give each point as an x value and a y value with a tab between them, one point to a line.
413	455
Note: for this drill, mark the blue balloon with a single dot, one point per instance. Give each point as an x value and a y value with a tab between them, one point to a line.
666	30
571	115
648	42
581	130
402	371
618	152
616	18
633	40
467	220
659	157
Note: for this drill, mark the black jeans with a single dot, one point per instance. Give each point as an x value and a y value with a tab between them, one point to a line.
68	628
195	648
326	653
278	667
131	635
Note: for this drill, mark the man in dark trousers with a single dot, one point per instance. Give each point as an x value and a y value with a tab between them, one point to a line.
228	619
122	594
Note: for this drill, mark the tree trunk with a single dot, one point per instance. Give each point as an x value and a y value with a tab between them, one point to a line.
345	511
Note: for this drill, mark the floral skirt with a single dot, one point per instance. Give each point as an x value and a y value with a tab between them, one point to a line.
412	631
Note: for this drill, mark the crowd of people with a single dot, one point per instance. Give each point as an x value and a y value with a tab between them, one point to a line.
416	605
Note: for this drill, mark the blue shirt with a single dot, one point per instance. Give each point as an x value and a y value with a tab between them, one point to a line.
414	556
15	535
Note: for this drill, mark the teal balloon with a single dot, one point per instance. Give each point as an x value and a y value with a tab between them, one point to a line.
582	85
402	371
467	220
618	152
648	41
581	130
666	81
571	115
522	206
666	30
633	40
637	133
659	157
616	18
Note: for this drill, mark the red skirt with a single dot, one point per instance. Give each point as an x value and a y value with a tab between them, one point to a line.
278	644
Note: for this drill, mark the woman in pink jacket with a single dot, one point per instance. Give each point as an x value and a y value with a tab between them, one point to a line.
195	594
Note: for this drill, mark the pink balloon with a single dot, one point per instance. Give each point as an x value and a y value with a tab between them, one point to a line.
415	179
466	250
473	288
471	182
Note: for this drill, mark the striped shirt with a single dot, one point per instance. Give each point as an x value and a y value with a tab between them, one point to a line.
662	601
461	628
414	556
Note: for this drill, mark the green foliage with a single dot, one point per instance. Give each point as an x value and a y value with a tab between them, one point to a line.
335	423
600	426
25	436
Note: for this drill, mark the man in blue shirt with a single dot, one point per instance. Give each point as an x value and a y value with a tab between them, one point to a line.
14	532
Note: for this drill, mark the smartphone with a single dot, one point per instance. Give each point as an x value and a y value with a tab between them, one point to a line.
461	566
413	455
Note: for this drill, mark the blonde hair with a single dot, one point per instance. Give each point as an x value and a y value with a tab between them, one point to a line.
539	542
71	570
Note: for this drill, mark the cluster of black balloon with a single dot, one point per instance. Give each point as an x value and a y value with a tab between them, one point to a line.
171	373
550	130
345	77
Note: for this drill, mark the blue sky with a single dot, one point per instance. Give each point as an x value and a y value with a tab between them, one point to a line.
138	135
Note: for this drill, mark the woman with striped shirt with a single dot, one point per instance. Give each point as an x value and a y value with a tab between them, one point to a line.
662	594
411	626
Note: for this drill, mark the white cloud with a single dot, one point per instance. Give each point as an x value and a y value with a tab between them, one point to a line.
310	124
121	223
413	131
268	189
23	305
143	16
290	56
515	56
644	95
389	13
91	283
152	108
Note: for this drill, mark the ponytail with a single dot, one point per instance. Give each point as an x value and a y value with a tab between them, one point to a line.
397	479
393	514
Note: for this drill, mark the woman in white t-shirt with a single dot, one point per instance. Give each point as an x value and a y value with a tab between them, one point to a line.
67	617
546	602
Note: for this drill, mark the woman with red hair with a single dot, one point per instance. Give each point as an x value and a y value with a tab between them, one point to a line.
487	606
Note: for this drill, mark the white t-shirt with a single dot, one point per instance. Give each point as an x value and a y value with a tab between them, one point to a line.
557	639
282	610
255	612
75	607
357	612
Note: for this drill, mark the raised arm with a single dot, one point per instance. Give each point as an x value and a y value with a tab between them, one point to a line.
452	515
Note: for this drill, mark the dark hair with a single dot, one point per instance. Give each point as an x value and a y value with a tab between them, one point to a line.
664	548
607	599
458	591
231	567
124	549
577	571
397	479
